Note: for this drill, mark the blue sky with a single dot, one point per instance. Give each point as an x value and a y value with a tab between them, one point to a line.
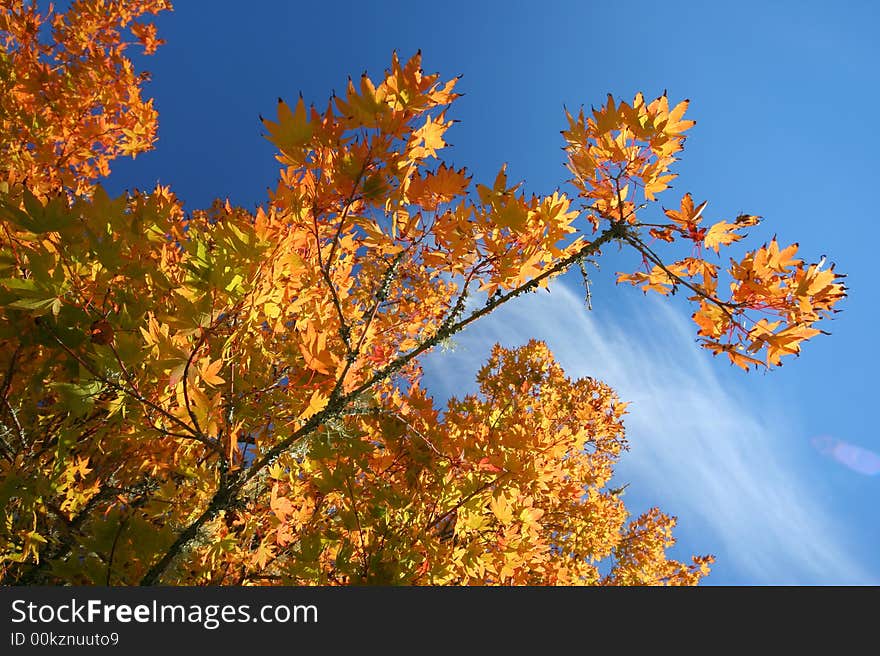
785	97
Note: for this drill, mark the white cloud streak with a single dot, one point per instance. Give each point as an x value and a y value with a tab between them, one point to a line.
699	447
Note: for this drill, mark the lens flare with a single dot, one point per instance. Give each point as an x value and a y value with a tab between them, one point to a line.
855	457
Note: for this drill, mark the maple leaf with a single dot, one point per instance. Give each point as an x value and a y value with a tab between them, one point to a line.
721	234
431	135
746	220
674	125
292	130
606	118
281	506
263	554
314	350
317	402
815	281
512	214
146	34
711	319
366	108
440	186
501	509
772	258
655	185
208	372
687	216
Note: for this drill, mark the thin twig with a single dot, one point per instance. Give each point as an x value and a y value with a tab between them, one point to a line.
121	388
192	415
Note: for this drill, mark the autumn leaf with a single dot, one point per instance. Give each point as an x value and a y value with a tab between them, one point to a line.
146	34
501	509
721	234
292	130
687	216
317	402
440	186
208	372
314	350
511	214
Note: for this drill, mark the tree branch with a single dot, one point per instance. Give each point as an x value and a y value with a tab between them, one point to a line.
133	393
227	493
645	250
189	360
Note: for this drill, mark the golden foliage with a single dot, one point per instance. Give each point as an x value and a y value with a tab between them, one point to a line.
234	397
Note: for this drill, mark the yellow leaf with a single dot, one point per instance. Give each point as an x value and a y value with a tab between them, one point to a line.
501	509
263	554
512	215
721	234
208	372
292	130
317	402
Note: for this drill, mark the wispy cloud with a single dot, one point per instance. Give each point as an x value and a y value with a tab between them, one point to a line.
700	448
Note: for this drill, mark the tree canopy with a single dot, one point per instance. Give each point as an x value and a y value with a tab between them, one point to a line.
227	396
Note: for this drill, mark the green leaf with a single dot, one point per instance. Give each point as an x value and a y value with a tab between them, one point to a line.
66	439
37	218
38	304
78	399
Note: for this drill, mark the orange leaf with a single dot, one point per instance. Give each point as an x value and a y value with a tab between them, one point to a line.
721	234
